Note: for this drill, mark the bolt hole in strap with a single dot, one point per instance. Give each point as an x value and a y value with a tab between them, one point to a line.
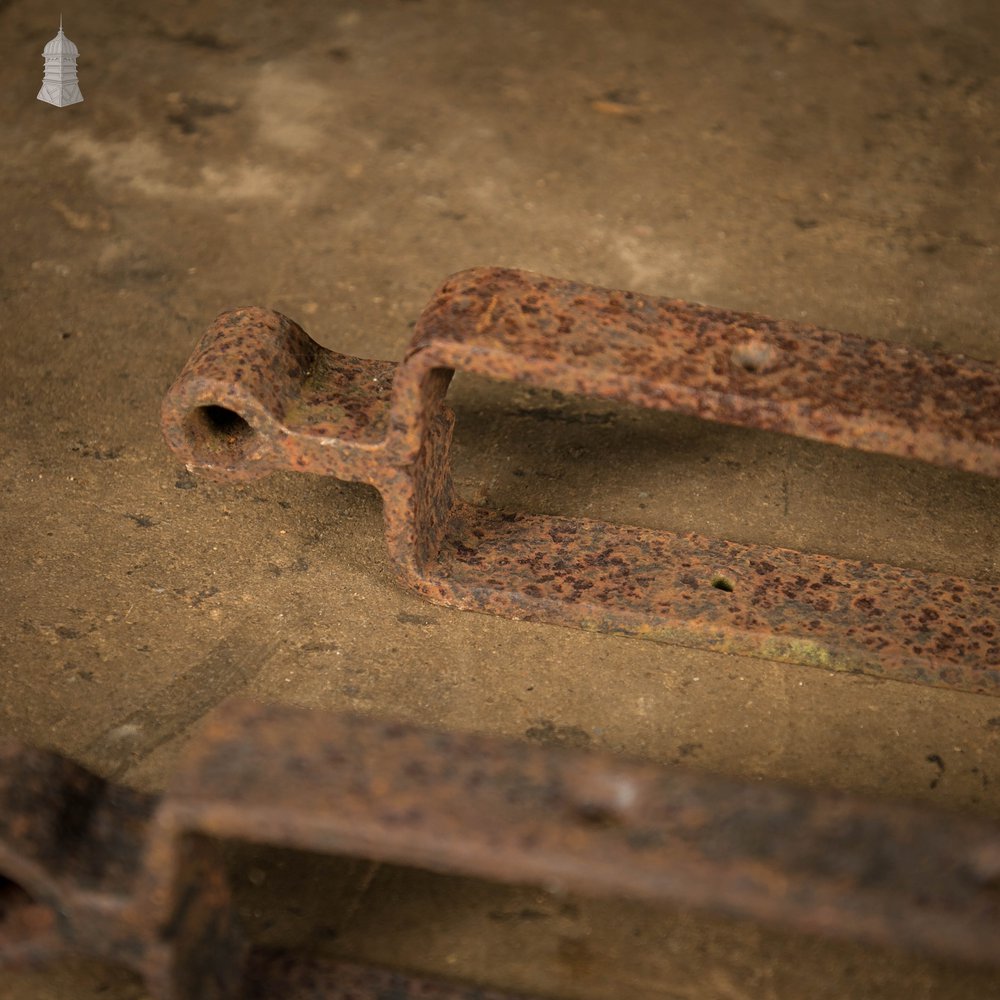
258	395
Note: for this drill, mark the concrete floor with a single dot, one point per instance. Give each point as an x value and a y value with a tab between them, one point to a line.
835	162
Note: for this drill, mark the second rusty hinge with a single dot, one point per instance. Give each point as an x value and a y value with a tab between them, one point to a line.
258	395
94	868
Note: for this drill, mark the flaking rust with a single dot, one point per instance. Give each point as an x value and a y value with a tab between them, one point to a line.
258	395
93	868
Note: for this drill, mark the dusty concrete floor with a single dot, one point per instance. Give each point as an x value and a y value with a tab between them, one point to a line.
834	162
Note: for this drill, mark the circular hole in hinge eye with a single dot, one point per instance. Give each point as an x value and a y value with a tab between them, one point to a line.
217	434
723	583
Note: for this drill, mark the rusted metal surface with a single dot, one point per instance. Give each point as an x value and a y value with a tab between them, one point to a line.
258	395
89	867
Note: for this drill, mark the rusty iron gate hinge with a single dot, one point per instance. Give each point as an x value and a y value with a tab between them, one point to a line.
90	867
259	395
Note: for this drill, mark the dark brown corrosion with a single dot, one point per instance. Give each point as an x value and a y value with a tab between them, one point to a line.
258	395
86	866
